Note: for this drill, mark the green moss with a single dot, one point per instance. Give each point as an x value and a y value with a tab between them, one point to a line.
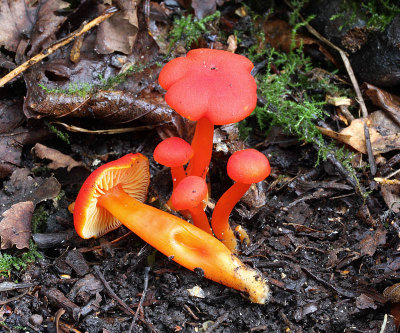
9	262
39	219
190	29
377	13
61	135
85	89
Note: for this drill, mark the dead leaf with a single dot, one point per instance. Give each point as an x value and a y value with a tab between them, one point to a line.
59	160
46	24
16	18
204	8
278	34
384	100
23	187
370	243
15	227
11	147
11	115
384	134
365	302
391	195
120	31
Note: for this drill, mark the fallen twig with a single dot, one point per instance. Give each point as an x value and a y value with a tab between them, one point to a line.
218	322
55	46
111	292
142	298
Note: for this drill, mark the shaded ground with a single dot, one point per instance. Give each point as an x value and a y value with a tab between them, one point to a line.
327	252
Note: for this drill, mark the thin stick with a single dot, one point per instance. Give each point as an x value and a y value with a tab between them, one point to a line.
145	285
73	128
54	47
111	292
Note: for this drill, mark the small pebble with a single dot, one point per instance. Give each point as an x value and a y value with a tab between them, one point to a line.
36	320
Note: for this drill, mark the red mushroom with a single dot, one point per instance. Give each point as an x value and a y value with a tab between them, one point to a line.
174	153
212	87
113	194
189	195
245	167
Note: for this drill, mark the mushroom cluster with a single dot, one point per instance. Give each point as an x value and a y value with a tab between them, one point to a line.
211	87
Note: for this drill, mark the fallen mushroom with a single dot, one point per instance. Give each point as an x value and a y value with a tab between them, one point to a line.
174	153
212	87
113	194
189	195
245	167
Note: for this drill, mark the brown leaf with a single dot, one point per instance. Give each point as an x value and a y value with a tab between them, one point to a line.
120	31
15	227
278	34
47	24
11	115
59	159
384	100
16	17
391	195
23	187
365	302
370	243
204	8
384	134
11	147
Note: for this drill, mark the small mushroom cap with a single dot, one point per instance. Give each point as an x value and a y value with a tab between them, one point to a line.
173	152
210	83
131	172
248	166
189	193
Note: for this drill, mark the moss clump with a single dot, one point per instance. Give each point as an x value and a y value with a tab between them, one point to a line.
9	262
377	13
63	136
190	29
39	219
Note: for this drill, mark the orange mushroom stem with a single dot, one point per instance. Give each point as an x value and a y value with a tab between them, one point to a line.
113	194
189	195
202	145
245	167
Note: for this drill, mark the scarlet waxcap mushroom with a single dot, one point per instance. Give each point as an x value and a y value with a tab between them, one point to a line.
189	195
212	87
174	153
112	194
248	166
130	173
245	167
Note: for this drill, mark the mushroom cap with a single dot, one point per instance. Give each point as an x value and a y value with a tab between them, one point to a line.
173	152
131	172
189	193
210	83
248	166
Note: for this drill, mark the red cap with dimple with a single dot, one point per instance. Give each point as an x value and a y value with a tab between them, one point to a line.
189	193
248	166
208	83
173	152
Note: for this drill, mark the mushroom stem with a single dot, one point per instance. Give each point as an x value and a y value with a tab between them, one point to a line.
186	244
178	173
200	219
222	210
202	145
